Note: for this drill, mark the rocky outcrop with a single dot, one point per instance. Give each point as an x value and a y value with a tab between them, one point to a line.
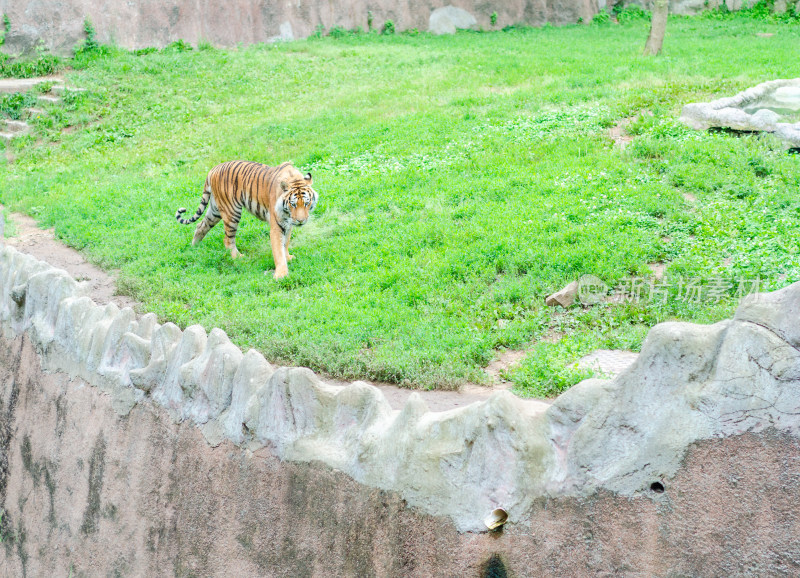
771	107
689	383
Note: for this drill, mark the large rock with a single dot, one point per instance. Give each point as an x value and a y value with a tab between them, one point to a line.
448	19
690	383
767	107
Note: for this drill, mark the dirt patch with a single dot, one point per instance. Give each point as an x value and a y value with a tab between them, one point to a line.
658	270
504	361
619	135
42	244
9	85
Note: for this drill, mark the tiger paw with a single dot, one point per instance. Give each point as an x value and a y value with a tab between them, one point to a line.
289	257
280	273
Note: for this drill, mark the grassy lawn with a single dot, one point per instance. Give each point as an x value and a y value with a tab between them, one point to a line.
461	180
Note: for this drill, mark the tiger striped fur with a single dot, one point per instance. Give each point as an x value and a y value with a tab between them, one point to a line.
280	195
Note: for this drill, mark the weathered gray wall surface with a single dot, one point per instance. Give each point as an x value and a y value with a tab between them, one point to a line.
59	23
129	447
86	492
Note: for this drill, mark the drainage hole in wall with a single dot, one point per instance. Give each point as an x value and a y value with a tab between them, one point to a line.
657	487
493	568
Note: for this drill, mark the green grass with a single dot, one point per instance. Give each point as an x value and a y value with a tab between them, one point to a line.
462	179
40	65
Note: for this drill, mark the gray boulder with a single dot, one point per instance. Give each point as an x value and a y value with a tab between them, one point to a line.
690	382
448	19
767	107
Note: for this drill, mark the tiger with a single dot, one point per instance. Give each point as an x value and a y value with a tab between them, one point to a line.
280	195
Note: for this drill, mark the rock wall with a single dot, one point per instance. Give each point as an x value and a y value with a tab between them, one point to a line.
59	25
128	447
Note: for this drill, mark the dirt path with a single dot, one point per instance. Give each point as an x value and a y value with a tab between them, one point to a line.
42	244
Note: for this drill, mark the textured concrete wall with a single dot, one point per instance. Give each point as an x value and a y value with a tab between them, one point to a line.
86	492
59	24
141	445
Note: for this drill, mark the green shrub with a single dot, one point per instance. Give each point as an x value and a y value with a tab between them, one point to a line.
762	9
145	51
179	45
388	27
12	105
337	32
319	32
601	18
90	44
6	29
631	13
42	65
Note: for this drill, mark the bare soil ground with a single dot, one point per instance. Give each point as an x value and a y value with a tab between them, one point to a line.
42	244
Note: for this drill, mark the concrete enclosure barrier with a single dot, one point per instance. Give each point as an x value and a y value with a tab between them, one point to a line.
132	445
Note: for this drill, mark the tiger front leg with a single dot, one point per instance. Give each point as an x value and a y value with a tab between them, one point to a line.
276	241
289	256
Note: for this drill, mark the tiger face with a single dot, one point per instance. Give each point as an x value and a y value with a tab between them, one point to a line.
298	200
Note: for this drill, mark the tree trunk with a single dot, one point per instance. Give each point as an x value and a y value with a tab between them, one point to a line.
658	26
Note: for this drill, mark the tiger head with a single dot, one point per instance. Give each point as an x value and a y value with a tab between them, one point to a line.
299	199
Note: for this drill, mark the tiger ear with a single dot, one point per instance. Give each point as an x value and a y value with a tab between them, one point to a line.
308	178
284	186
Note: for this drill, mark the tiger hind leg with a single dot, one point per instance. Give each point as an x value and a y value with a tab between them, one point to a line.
212	218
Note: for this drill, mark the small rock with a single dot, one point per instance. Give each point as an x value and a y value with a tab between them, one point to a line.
565	297
213	432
